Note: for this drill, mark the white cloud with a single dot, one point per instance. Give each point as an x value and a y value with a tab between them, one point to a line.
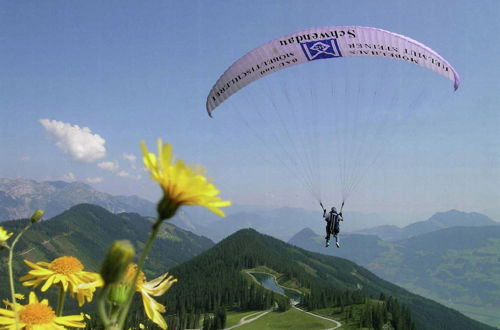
109	166
125	174
130	157
94	180
25	158
69	177
78	142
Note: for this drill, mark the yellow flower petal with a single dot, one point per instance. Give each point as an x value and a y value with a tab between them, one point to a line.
160	285
153	310
6	312
48	283
19	296
33	299
8	320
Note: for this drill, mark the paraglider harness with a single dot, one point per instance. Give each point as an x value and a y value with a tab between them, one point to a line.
334	223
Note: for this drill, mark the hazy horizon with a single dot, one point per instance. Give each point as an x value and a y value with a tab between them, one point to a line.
390	218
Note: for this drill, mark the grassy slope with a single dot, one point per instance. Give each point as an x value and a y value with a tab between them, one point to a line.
291	319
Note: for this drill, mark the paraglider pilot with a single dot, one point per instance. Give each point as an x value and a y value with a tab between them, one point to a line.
332	219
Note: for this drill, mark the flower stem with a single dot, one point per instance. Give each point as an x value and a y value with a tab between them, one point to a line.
115	310
12	289
142	260
60	300
101	307
11	272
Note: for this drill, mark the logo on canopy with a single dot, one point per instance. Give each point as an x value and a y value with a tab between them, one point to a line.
315	50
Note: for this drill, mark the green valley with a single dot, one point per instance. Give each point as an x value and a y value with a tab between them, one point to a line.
456	266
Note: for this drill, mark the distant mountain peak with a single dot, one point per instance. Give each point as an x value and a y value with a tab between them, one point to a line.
304	234
20	197
452	212
307	231
459	218
86	207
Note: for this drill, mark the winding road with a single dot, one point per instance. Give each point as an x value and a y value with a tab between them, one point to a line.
250	318
337	323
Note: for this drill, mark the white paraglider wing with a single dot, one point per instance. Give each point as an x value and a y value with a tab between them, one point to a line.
325	43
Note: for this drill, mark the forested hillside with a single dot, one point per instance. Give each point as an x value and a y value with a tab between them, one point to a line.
215	278
86	231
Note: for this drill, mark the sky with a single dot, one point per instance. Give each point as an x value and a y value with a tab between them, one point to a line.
82	83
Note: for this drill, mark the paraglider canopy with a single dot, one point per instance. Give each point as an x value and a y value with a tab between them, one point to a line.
325	43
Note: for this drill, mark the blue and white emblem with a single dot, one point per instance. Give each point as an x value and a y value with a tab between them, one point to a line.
315	50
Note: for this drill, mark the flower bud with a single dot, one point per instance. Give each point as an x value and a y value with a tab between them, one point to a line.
118	293
117	259
37	215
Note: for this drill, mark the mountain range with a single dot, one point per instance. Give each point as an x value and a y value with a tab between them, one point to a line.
440	220
20	197
281	223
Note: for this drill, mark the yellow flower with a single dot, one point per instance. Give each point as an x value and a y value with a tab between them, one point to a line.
37	315
156	287
65	271
181	184
4	236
